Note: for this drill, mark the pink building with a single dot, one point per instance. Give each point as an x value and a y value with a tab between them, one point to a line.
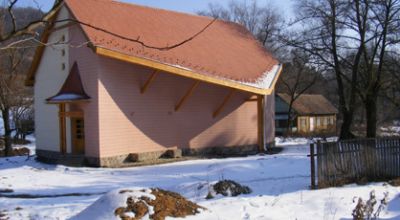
124	83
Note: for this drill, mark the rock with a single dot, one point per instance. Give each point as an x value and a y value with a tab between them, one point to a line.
230	188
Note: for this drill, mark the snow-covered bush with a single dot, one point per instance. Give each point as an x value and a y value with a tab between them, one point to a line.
366	210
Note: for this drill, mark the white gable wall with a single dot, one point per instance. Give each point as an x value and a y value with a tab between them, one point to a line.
50	76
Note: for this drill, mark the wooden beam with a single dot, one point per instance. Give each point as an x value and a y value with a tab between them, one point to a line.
251	100
187	95
261	122
221	107
182	71
72	114
149	81
62	123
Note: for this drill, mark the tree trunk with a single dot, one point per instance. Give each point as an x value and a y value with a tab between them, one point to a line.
345	130
290	119
7	132
371	114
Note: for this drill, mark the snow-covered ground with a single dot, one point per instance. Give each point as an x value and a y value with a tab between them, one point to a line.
1	126
280	185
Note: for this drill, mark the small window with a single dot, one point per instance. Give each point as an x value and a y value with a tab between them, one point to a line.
63	66
303	122
63	52
63	38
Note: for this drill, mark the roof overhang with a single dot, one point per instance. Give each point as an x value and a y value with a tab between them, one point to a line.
191	74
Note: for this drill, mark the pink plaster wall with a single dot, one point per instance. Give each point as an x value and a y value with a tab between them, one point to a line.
89	67
133	122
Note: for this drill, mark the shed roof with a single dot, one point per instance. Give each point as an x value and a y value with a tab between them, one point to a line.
223	51
310	104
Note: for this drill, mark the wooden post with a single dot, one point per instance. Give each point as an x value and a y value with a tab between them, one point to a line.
62	123
148	82
312	159
187	95
261	122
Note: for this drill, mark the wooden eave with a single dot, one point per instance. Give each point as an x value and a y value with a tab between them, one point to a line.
184	72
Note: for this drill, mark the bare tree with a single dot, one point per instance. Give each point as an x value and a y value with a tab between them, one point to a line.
265	22
384	17
350	39
320	38
296	79
12	90
29	29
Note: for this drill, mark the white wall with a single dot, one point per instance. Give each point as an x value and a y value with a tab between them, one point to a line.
49	78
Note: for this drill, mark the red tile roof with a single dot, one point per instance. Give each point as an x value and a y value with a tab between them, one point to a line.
224	50
310	104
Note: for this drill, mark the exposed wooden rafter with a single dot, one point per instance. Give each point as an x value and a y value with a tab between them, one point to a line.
187	95
253	98
149	81
223	104
72	114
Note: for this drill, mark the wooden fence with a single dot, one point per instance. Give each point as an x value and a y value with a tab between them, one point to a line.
360	160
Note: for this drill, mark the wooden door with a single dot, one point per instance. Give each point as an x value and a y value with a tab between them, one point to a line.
78	135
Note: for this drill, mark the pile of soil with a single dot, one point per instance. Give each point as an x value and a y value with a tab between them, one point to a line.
230	188
165	204
395	182
3	215
23	151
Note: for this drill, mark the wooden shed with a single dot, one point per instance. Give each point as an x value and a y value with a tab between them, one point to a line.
313	114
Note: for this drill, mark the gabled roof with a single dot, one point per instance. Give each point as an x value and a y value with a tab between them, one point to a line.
310	104
72	89
224	53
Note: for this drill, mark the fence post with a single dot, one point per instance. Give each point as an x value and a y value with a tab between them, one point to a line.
313	185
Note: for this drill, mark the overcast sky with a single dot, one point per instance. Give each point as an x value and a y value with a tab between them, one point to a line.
189	6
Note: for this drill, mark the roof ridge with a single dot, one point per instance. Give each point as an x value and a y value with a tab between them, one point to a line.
160	9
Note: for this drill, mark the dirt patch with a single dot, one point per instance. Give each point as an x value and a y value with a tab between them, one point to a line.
230	188
6	190
274	150
3	215
165	204
22	151
395	182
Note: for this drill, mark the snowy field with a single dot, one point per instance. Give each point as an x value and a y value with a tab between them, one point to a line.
1	126
280	185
